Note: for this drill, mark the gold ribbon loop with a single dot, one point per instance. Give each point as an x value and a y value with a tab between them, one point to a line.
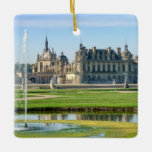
72	10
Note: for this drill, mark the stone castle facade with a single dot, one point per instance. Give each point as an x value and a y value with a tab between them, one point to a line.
90	66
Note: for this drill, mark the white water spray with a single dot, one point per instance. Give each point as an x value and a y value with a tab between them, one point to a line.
25	73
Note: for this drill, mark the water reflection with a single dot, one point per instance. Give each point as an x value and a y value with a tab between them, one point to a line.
56	130
95	117
41	127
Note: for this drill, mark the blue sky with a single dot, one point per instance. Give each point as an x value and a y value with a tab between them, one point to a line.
101	31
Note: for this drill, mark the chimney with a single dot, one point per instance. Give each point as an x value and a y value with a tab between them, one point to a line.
119	51
109	50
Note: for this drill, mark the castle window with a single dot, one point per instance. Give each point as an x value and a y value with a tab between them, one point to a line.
118	67
119	78
123	78
98	56
47	68
41	66
93	78
109	78
98	77
88	67
99	68
123	68
52	63
129	78
114	68
35	70
84	67
108	68
129	67
93	68
103	68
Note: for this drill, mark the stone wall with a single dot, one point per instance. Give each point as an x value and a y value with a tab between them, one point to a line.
76	86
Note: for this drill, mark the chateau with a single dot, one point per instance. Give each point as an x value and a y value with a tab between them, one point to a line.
90	66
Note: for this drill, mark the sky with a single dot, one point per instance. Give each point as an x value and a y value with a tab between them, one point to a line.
102	31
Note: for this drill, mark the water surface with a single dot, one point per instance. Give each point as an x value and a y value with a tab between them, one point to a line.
79	116
69	130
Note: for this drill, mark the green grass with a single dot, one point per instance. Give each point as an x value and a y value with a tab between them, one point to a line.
80	98
86	129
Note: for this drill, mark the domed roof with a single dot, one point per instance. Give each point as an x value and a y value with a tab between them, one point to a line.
62	57
126	55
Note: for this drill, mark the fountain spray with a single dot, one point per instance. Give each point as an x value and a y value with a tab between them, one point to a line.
25	74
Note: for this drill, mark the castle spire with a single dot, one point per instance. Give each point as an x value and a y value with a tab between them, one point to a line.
126	45
46	44
81	45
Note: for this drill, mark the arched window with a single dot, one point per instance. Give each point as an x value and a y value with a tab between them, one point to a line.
41	66
47	68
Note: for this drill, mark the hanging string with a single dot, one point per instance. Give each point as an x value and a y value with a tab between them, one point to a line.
72	10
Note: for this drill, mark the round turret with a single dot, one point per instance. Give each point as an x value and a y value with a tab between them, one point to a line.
126	55
62	57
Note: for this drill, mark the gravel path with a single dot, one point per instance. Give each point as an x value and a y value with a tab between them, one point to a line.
39	97
126	91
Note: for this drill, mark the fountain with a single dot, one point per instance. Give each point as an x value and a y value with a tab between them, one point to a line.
24	82
25	74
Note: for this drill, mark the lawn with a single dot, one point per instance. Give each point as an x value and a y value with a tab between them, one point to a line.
80	98
84	129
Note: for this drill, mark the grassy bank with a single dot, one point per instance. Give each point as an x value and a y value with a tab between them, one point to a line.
80	99
86	129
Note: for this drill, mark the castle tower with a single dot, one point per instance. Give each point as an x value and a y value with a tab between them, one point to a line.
62	60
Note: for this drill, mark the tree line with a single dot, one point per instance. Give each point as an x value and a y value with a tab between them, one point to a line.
20	67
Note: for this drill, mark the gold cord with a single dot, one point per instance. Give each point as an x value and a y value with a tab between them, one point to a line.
72	10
